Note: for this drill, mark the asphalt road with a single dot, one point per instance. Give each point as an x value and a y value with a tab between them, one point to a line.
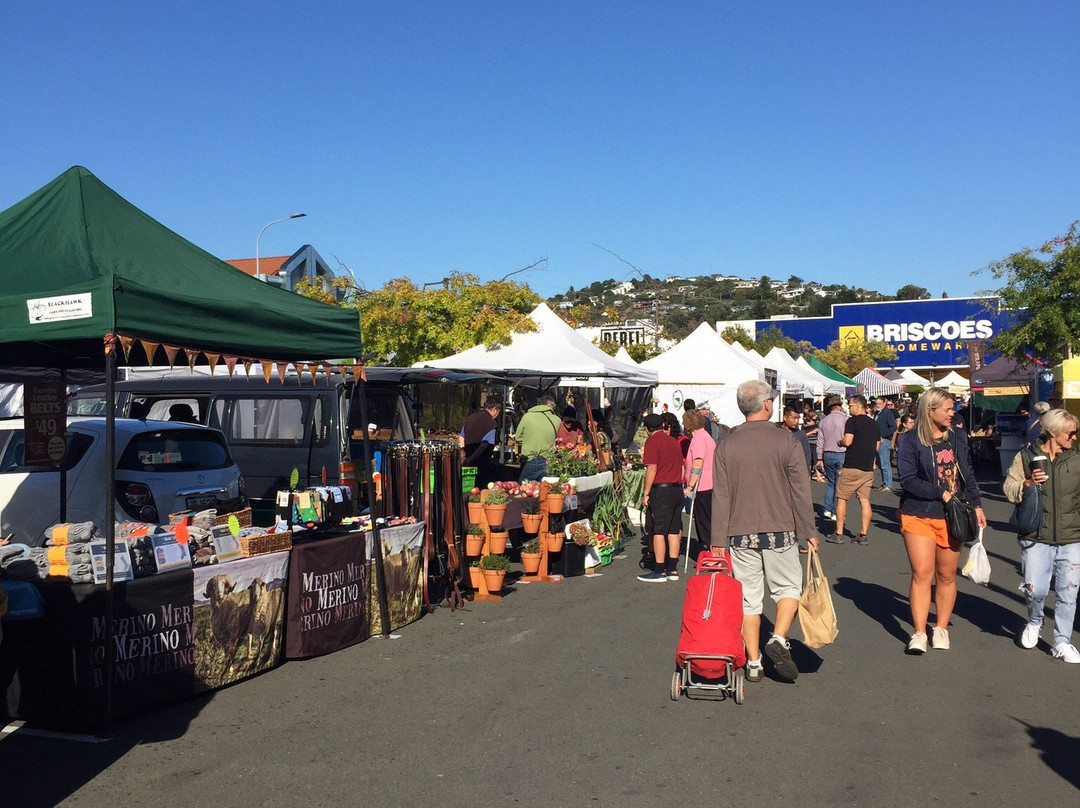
559	696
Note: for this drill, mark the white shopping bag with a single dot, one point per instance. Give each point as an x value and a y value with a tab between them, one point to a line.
977	565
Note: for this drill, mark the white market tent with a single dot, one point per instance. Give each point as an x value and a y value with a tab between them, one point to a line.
706	368
623	356
553	351
813	381
911	377
874	384
954	382
833	387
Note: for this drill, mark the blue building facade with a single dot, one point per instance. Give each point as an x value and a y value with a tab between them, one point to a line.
924	333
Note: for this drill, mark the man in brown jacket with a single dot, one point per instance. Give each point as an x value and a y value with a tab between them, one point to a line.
762	508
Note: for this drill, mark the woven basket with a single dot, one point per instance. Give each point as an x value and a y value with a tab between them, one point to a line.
243	517
263	543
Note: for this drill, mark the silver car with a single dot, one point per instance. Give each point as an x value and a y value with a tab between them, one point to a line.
161	467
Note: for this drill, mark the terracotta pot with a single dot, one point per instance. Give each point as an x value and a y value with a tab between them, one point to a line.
555	503
530	522
497	541
476	509
554	542
475	576
494	579
474	545
531	562
495	514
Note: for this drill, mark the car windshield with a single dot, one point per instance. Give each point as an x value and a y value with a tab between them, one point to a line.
175	450
13	442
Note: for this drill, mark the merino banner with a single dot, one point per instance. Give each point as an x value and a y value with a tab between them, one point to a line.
328	596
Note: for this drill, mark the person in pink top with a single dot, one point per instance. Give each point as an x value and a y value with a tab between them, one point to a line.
698	473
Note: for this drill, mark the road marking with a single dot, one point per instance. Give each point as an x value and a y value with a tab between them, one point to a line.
21	728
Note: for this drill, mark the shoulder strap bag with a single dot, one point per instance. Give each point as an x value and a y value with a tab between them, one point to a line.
960	518
1027	515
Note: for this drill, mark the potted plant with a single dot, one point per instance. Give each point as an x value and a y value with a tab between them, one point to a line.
530	514
554	541
475	574
475	506
531	555
495	506
494	568
474	541
497	540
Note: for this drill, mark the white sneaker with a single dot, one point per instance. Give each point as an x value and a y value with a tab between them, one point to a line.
1030	636
829	515
1067	653
941	639
917	643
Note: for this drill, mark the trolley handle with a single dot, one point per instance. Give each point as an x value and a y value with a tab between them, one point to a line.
707	562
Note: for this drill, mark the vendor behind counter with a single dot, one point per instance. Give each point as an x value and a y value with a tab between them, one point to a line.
478	442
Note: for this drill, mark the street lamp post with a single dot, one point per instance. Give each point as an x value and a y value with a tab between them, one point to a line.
258	238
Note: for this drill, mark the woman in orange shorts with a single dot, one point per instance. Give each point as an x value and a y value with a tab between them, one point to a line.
934	465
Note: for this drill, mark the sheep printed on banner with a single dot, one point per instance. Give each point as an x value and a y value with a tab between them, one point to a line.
239	618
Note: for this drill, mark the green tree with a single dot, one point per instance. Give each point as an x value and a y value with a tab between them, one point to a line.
773	337
912	292
409	324
1042	292
852	356
736	333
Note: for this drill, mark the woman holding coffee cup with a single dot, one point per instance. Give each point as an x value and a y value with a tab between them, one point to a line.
934	465
1053	551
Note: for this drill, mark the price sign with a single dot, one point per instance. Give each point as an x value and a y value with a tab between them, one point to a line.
45	423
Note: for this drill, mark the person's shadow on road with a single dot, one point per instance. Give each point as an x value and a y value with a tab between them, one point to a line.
878	602
1057	750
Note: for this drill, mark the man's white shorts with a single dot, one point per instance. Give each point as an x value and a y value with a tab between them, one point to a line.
782	569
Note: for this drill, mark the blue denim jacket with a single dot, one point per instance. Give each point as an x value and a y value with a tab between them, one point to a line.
922	496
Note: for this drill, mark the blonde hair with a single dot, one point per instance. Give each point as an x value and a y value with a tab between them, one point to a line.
929	401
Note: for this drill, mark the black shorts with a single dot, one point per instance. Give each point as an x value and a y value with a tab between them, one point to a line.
665	510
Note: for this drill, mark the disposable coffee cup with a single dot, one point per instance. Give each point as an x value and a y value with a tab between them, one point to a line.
1041	462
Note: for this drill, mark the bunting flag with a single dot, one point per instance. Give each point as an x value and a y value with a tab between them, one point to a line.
358	373
301	370
170	353
316	369
329	374
247	366
230	363
267	369
344	371
109	341
192	355
126	343
212	359
150	349
282	368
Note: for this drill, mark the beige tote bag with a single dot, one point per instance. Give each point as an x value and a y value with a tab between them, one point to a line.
816	614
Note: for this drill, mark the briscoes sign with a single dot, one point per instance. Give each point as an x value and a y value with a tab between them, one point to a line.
924	333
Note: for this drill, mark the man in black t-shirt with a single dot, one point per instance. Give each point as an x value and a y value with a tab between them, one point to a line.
861	437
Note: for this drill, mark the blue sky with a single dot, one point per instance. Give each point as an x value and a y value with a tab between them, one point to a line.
870	144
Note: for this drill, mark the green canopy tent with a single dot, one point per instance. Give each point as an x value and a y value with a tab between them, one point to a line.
825	370
82	268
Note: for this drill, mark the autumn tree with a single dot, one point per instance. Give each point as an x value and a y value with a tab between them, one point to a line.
407	324
851	356
1042	293
736	333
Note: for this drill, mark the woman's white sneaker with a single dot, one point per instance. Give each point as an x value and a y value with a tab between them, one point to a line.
1067	653
1030	636
941	639
917	643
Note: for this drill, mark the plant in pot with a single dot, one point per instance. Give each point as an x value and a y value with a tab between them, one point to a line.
475	574
497	539
474	541
495	506
530	514
475	506
494	568
531	555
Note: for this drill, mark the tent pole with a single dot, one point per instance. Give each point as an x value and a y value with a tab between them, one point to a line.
110	524
376	538
63	463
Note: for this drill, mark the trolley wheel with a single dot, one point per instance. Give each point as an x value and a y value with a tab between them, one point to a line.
740	686
676	685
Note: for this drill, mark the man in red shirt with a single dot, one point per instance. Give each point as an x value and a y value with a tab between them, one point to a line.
663	499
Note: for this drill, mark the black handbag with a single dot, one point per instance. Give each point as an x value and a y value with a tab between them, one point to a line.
960	520
1027	515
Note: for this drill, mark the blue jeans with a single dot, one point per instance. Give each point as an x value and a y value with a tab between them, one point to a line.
834	461
1039	562
884	456
533	470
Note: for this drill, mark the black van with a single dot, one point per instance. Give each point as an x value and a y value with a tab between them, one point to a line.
272	427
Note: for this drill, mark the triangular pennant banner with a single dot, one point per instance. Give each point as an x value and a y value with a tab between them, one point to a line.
344	371
329	374
170	352
358	373
230	363
212	359
110	343
315	369
301	370
247	366
282	367
267	369
192	355
150	348
126	343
